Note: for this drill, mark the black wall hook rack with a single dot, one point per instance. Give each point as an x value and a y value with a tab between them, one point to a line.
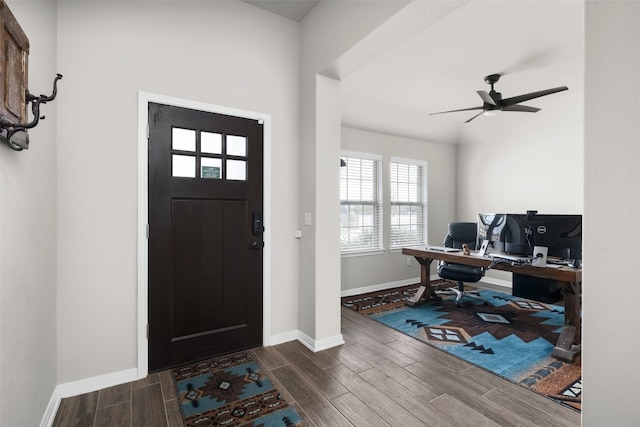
15	134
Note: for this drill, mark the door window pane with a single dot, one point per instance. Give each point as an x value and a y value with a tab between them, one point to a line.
236	145
183	166
211	143
236	170
183	139
210	168
210	155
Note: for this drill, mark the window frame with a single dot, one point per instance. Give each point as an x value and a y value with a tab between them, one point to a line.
421	202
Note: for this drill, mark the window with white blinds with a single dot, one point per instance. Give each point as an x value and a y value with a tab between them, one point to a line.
360	204
408	203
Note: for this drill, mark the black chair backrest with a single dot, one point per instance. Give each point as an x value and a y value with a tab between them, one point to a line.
459	233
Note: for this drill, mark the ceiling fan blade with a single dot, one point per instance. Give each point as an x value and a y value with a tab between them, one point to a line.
522	108
522	98
486	98
474	116
462	109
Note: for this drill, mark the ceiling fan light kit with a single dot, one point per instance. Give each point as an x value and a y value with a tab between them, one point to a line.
493	104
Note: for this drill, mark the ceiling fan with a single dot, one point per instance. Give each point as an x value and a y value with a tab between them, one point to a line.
493	102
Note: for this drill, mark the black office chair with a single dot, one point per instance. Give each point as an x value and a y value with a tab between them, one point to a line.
458	234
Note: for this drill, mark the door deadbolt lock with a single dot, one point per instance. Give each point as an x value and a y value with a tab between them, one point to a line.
257	228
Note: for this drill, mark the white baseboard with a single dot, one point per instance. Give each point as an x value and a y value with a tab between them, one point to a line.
87	385
486	282
378	287
284	337
319	345
307	341
498	285
491	284
52	409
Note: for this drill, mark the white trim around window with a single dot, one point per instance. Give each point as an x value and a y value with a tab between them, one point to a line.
408	199
360	204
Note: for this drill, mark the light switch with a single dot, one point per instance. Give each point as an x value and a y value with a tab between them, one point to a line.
307	218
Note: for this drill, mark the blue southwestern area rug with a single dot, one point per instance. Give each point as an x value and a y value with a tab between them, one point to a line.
231	391
511	337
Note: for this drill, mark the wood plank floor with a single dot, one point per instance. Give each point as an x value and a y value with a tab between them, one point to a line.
380	377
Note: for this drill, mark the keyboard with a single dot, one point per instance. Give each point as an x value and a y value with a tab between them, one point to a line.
516	258
442	249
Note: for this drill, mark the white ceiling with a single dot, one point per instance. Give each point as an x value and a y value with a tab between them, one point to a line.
535	45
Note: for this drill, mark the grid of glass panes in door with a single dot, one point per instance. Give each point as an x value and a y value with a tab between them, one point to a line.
208	155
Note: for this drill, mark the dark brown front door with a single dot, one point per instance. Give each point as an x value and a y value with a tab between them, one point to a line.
205	235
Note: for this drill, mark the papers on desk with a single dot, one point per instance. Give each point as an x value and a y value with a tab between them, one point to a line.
551	263
507	257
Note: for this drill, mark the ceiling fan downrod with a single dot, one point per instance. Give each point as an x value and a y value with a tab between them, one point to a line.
491	79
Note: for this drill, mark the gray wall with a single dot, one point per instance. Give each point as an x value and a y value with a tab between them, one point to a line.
319	288
390	267
28	212
224	53
539	166
612	201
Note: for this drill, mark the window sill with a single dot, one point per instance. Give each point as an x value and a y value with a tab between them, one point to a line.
399	249
363	253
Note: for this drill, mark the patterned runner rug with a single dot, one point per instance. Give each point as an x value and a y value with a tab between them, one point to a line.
231	391
511	337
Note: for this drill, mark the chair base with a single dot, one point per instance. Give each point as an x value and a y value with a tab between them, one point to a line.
459	292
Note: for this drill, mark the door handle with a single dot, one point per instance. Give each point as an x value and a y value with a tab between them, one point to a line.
257	245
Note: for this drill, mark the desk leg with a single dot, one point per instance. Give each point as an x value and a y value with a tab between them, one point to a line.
423	294
569	343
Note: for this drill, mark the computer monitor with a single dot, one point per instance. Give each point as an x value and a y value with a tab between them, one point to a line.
491	227
562	234
519	233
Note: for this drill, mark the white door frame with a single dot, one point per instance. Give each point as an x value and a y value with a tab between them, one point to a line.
144	98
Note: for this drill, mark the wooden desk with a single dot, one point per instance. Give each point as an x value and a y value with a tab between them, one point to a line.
569	343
